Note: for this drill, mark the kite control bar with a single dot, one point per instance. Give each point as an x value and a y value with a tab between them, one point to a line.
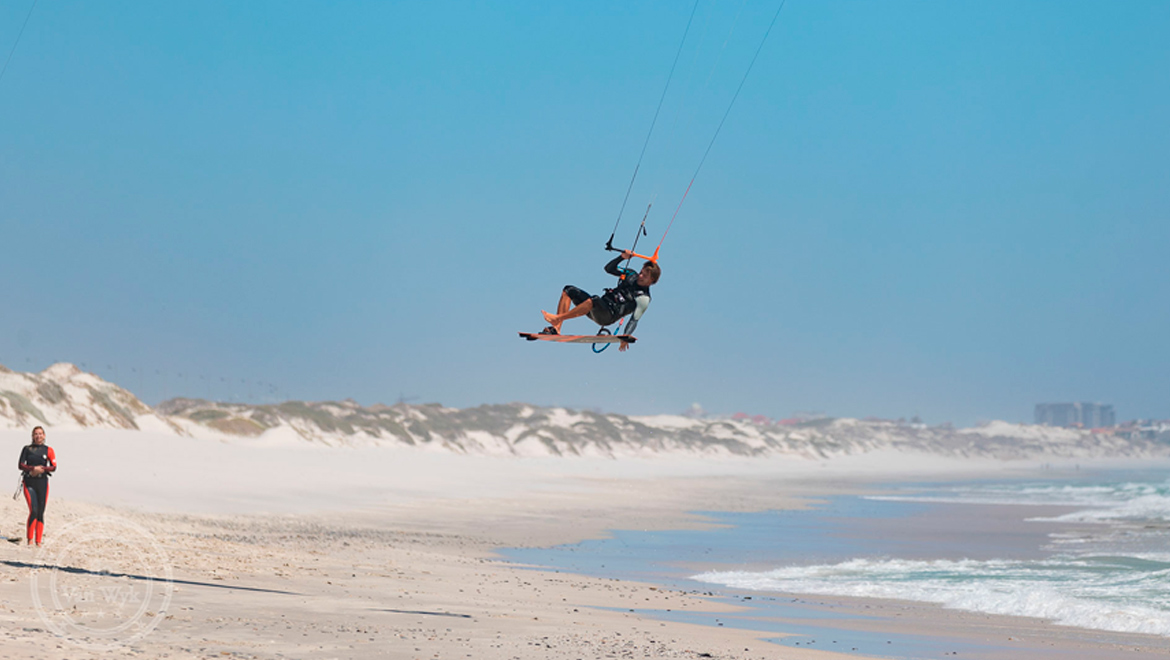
609	247
641	232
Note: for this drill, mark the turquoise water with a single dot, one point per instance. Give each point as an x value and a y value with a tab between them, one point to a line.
1105	565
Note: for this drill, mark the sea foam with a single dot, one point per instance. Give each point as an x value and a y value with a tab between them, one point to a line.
1103	593
1109	571
1126	500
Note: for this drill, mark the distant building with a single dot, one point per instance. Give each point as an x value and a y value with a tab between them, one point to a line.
1097	415
1056	414
1084	415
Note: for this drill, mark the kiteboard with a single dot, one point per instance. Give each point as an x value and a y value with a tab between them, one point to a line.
579	339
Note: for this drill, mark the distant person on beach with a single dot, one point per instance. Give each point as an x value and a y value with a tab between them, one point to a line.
37	462
630	297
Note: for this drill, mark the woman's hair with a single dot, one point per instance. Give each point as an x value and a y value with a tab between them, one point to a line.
654	269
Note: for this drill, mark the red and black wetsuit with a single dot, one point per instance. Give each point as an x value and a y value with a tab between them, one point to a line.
36	489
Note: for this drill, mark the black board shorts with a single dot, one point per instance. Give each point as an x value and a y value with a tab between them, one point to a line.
602	314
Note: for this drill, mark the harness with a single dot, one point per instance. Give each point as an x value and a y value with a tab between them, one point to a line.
623	298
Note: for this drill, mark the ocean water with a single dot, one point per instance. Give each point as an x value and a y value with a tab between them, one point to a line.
1104	563
1086	550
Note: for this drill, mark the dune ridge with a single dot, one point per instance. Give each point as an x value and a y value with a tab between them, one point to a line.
67	397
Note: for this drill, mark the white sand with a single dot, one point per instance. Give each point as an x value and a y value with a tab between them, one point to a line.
163	472
292	550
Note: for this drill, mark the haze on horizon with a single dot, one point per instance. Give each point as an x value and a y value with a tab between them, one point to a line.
951	210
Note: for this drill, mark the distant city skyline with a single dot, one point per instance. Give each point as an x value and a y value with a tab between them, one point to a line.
1079	414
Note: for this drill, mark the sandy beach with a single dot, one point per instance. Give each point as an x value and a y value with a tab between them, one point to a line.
311	312
340	553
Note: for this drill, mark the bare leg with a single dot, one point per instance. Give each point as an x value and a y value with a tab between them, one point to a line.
563	305
555	320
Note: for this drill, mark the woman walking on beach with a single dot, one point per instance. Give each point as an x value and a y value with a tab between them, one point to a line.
37	462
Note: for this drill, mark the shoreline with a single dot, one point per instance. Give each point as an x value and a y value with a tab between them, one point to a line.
310	569
882	626
406	565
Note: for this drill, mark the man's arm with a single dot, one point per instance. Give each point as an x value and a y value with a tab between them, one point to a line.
613	269
643	303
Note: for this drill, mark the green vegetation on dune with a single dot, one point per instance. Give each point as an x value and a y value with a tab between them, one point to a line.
525	429
238	426
51	392
323	419
104	400
22	406
207	416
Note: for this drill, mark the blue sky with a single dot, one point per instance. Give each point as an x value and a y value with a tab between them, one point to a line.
955	210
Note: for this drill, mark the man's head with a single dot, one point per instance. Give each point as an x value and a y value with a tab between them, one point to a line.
649	274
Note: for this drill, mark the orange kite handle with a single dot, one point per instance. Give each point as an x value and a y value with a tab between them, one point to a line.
653	258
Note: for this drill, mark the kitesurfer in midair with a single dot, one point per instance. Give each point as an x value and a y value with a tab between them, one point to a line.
630	297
